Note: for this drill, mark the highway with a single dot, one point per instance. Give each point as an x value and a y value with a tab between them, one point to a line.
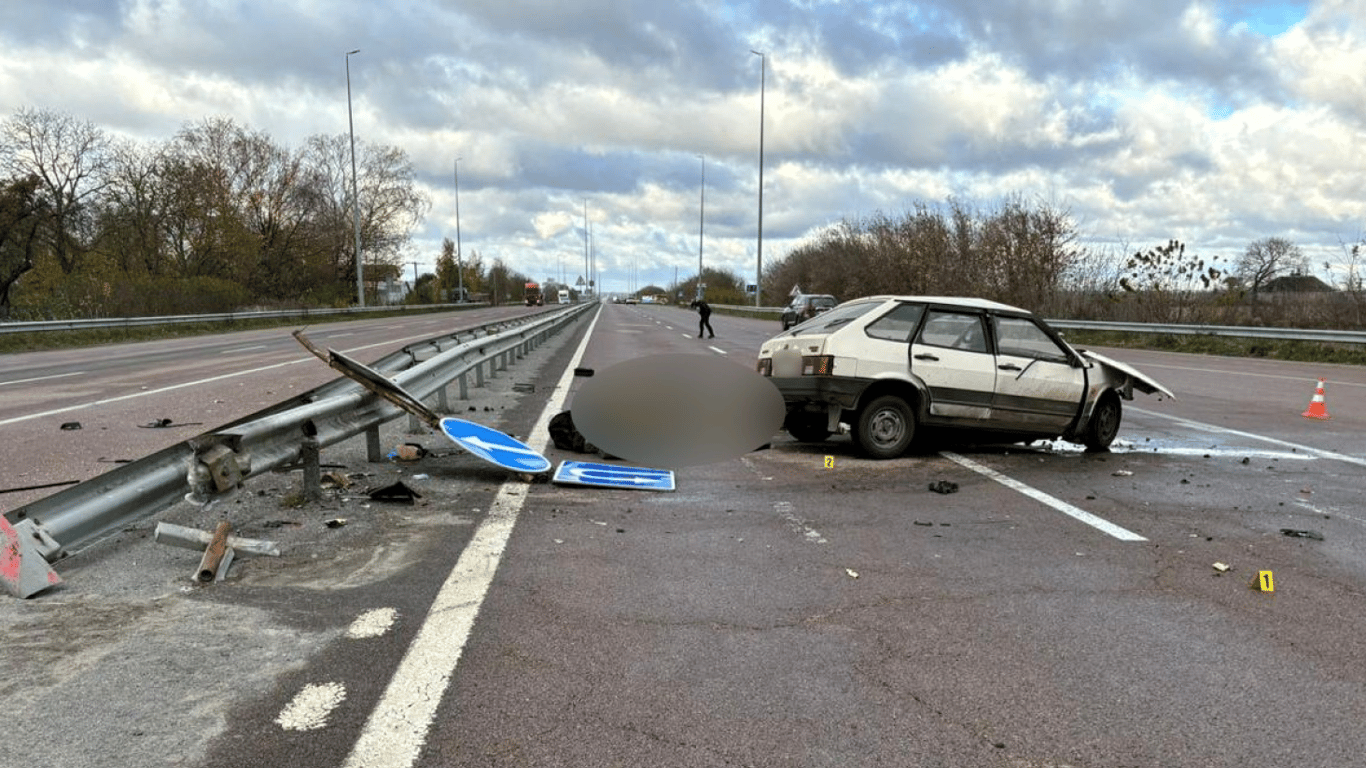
798	606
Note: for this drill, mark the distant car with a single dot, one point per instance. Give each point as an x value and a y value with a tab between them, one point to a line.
632	300
889	365
805	306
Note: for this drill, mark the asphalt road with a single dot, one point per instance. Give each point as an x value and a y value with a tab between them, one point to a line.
799	606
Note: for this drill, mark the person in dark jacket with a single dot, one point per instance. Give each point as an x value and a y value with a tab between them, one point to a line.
703	318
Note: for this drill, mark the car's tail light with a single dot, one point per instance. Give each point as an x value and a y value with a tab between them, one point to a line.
765	366
818	365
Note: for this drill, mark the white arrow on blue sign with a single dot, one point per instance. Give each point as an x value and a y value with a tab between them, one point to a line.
494	446
614	476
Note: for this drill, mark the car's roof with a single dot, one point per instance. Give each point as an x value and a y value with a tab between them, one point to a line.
961	301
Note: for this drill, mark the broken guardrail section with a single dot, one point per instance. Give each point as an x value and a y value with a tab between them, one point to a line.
213	465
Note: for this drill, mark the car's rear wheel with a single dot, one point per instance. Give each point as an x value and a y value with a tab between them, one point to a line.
807	427
1103	427
885	428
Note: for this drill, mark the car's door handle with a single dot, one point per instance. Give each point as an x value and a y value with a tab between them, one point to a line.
1009	367
926	356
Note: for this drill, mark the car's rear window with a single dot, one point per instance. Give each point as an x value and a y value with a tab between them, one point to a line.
897	325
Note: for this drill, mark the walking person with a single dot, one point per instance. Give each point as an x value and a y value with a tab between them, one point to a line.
703	318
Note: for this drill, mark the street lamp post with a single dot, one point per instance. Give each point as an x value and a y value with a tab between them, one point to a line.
701	221
759	269
355	195
459	260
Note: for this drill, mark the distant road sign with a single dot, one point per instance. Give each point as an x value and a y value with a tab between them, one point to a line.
493	446
614	476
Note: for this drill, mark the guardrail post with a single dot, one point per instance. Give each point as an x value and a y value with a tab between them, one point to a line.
479	375
309	457
464	386
372	450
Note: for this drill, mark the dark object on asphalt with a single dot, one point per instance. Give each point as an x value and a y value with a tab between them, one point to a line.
164	423
397	492
583	371
944	486
566	437
70	425
523	387
1297	534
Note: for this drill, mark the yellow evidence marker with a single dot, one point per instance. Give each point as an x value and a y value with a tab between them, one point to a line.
829	462
1264	581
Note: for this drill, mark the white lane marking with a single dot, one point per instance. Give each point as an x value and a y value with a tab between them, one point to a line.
1098	523
242	349
785	511
396	730
717	350
197	382
42	378
372	623
1203	427
310	707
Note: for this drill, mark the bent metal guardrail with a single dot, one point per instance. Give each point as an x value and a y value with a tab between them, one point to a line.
216	462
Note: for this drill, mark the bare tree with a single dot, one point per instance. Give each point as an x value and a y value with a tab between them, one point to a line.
1267	259
22	212
71	159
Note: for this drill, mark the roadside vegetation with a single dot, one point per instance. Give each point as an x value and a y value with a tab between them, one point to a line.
219	218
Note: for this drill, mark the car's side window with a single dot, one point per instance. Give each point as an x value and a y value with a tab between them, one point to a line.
954	330
1021	337
897	325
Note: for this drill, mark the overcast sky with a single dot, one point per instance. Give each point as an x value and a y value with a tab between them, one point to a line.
1215	123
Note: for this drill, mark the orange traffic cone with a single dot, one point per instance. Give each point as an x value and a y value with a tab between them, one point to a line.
1317	409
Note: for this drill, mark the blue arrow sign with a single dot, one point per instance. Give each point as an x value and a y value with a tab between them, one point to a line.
614	476
494	446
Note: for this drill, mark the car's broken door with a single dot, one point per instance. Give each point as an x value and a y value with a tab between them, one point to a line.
1039	387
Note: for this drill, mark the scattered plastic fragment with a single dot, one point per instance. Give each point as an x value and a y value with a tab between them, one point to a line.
1298	534
944	486
523	387
853	574
1122	473
1223	567
70	425
335	522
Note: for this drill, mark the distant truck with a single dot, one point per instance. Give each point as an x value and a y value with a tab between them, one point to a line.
564	295
533	295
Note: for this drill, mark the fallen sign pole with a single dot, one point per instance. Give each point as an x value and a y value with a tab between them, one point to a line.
485	442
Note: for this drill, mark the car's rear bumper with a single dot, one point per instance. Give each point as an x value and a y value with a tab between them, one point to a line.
843	391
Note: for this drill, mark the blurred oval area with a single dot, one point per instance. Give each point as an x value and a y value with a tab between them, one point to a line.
677	410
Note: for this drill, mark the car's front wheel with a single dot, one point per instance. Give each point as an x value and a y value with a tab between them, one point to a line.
1103	427
886	427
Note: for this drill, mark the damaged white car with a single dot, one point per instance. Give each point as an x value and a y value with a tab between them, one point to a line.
888	368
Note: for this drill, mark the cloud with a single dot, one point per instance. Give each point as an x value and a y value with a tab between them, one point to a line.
1214	122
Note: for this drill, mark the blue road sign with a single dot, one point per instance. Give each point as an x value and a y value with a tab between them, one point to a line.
494	446
614	476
